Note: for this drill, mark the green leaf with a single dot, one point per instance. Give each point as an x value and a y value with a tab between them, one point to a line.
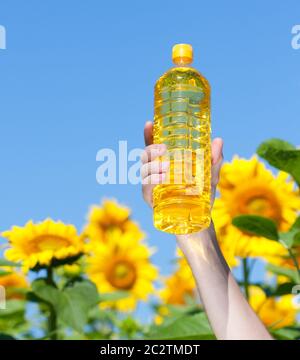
3	272
108	318
129	327
282	155
116	295
296	241
4	262
71	304
285	333
80	298
290	238
256	225
30	296
295	230
12	318
296	225
287	239
278	270
179	310
4	336
283	289
46	293
190	327
13	308
277	144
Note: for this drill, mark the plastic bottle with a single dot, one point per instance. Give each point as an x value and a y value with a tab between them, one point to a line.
182	122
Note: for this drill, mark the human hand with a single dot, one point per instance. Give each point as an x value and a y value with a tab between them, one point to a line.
153	171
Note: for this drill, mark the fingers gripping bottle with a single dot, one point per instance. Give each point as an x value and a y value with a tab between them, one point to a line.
182	122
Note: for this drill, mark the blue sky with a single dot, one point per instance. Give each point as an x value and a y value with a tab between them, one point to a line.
78	76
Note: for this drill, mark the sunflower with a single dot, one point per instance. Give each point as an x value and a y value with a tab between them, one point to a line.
13	283
178	286
287	262
42	244
110	215
246	245
247	187
274	312
122	263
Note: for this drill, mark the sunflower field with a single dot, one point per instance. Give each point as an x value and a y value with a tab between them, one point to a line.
59	283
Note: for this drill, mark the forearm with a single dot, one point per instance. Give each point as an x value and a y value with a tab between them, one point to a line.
230	315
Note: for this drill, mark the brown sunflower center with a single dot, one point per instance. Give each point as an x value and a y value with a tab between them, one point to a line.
48	242
259	206
179	296
121	275
113	224
257	201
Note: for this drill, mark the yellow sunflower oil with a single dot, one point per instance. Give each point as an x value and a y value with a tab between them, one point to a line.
182	122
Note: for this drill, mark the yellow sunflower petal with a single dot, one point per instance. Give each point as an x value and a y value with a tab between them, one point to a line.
122	264
40	243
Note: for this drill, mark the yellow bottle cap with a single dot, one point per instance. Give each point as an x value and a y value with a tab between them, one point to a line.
182	54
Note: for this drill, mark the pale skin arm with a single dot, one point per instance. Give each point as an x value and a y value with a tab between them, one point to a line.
229	313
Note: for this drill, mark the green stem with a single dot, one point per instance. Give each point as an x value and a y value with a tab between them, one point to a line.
52	319
246	274
50	277
294	259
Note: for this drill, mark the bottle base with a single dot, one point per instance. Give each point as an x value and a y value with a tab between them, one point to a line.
181	218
